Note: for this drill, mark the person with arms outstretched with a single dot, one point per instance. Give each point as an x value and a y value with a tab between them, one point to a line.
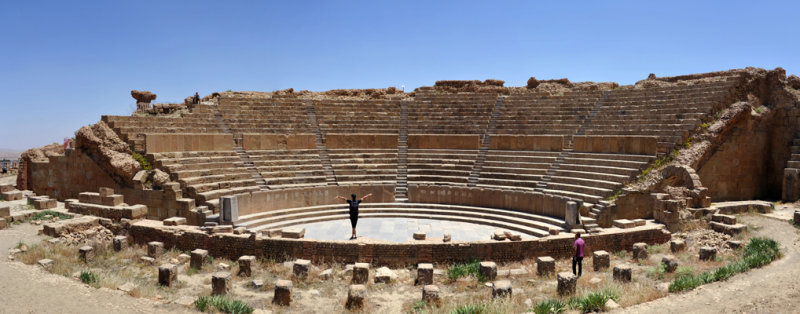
354	210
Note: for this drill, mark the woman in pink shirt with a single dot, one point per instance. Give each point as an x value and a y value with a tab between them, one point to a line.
577	259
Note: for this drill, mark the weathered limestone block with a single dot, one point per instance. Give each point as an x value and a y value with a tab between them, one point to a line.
356	296
601	260
198	258
221	283
246	265
12	195
384	275
419	235
708	253
501	288
670	263
147	260
86	253
300	268
545	265
791	185
5	211
360	273
44	203
239	230
622	273
796	217
283	293
623	223
488	270
677	245
167	274
293	233
727	229
112	200
106	192
120	243
726	219
499	235
223	229
430	295
183	258
3	223
46	263
734	244
640	250
175	221
6	187
424	274
155	249
446	238
567	283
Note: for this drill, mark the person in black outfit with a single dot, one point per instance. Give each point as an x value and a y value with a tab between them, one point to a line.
196	98
354	210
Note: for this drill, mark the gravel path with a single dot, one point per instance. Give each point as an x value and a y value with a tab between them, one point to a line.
28	289
771	289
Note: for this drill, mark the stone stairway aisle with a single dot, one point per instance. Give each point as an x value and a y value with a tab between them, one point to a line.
401	188
327	167
791	174
490	129
241	153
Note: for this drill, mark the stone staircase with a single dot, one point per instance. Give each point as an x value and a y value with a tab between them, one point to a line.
401	188
330	176
245	159
791	174
490	129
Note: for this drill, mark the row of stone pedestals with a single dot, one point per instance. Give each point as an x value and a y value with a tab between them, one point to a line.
105	204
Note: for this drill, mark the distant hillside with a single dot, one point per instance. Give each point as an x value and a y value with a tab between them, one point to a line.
6	153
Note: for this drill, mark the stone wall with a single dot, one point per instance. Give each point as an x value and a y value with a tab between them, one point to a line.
278	141
64	177
428	141
527	142
262	201
529	202
160	143
232	246
640	145
385	141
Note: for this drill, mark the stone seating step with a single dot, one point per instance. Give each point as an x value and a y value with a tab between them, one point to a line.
599	169
604	162
577	188
576	195
592	175
588	183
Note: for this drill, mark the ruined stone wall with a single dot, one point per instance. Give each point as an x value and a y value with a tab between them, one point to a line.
160	143
262	201
395	254
278	141
641	145
427	141
385	141
65	176
527	142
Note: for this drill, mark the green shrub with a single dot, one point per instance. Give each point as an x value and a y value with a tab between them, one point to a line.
222	304
419	306
657	272
705	126
757	253
89	278
549	306
142	161
477	308
473	267
40	215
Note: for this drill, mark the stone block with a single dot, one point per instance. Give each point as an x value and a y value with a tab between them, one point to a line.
501	288
239	230
147	260
185	204
246	265
622	273
726	219
424	274
283	293
638	222
44	203
601	260
446	238
175	221
796	217
515	237
419	235
567	283
488	270
223	229
360	273
300	268
677	245
545	265
431	295
112	200
221	283
5	211
89	198
120	243
3	223
623	223
229	208
727	229
6	188
326	274
155	249
384	275
499	235
167	274
183	258
670	263
86	253
106	192
356	296
12	196
571	214
640	250
272	233
198	258
45	263
293	233
734	244
553	231
708	253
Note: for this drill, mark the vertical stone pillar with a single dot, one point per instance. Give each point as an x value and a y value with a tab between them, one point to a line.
198	258
229	208
356	296
246	266
120	243
86	253
567	282
221	283
488	270
360	273
501	288
167	273
283	293
571	214
155	249
424	274
300	268
601	260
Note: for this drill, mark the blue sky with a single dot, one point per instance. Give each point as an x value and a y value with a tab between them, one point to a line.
65	63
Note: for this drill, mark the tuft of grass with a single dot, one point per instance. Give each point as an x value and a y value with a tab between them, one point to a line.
89	278
549	306
614	196
594	301
705	125
473	267
222	304
657	272
757	253
475	308
142	161
40	215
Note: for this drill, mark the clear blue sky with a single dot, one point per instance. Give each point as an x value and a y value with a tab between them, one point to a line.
65	63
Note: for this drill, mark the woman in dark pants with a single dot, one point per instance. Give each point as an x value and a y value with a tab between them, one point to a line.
354	210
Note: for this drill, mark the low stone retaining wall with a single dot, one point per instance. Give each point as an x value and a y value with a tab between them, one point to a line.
384	141
159	143
527	142
442	141
641	145
187	238
262	201
278	141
